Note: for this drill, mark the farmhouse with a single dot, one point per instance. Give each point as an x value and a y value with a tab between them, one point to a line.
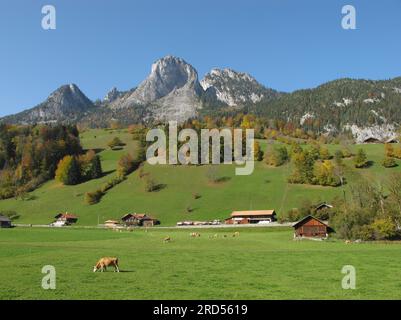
5	222
311	227
139	219
66	218
253	216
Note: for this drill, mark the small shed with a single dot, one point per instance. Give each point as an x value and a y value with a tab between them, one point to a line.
5	222
111	223
311	227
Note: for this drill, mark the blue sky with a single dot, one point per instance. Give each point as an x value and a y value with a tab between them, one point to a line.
284	44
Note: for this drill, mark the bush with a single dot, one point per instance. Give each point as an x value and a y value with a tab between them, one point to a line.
115	142
150	184
126	165
361	160
384	228
277	156
389	162
93	197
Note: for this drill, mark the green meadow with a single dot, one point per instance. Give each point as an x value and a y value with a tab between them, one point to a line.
261	263
266	188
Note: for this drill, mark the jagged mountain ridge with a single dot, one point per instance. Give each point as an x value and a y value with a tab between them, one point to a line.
236	88
172	91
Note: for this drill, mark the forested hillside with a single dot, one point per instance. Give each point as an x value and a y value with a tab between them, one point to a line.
29	155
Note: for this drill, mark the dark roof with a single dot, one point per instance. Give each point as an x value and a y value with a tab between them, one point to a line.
139	216
307	218
66	216
323	204
5	219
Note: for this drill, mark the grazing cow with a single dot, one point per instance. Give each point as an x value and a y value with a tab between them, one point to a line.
103	263
347	241
167	239
194	234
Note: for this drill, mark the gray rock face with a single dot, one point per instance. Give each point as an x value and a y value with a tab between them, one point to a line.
171	91
112	95
382	133
66	104
235	88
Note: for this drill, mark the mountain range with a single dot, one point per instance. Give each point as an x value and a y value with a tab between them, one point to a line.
173	91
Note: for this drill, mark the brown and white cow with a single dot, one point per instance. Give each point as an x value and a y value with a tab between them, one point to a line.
105	262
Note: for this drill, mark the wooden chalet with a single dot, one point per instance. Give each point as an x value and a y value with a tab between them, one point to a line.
139	219
252	216
311	227
67	218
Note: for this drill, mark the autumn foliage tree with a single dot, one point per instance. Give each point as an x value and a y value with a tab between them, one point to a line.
361	160
68	171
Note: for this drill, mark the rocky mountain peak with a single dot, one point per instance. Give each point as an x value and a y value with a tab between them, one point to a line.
171	91
65	104
235	88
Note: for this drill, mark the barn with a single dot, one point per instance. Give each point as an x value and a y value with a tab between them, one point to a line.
5	222
252	216
139	219
311	227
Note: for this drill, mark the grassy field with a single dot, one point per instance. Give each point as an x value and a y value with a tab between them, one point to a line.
262	263
266	188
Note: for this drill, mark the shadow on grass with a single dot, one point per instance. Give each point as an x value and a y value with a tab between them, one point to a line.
369	164
159	187
106	173
223	179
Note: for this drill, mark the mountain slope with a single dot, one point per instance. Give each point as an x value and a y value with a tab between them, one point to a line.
66	104
339	104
